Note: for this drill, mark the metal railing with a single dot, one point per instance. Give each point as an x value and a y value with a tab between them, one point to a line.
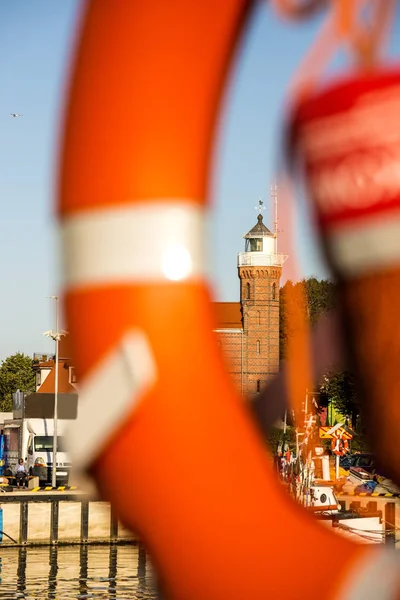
260	259
43	356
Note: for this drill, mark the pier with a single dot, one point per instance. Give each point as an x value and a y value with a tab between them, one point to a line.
59	518
388	505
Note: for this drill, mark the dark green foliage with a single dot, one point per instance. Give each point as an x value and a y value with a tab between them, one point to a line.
339	389
320	296
16	372
276	438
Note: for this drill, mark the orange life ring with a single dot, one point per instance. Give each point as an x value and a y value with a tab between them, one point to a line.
339	446
156	402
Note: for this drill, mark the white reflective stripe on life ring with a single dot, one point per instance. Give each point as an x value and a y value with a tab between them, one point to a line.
108	394
366	245
374	577
134	243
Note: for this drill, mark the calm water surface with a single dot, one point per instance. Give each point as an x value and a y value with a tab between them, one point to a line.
76	572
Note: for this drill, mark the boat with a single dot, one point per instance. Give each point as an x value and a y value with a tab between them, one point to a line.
318	495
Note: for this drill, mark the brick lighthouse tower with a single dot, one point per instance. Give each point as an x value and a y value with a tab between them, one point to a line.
260	270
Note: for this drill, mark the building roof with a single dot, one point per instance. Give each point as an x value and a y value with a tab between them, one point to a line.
64	386
46	364
259	229
228	315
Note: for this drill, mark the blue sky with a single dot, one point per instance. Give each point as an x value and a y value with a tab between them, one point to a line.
35	44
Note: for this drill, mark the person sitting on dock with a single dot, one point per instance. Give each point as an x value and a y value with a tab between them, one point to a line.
21	473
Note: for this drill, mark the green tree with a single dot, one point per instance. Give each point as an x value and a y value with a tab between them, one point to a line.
320	297
277	438
16	372
338	389
338	393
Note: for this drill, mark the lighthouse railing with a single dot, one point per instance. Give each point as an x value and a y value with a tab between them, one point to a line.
260	259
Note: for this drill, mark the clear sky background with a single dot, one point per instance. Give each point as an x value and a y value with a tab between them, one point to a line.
35	45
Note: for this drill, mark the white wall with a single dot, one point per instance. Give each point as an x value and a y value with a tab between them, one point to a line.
269	245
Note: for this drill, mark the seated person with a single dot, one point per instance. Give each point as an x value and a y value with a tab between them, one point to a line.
21	473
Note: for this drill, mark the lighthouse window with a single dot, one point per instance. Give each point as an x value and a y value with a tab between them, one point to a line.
247	291
274	291
258	346
258	386
256	245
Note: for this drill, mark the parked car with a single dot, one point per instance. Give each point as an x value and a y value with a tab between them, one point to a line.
364	461
347	460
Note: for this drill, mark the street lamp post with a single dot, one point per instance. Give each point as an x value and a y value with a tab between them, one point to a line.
54	472
56	336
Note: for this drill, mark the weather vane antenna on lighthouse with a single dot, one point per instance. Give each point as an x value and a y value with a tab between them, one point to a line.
260	207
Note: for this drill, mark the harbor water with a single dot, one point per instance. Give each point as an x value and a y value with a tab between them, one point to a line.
79	572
